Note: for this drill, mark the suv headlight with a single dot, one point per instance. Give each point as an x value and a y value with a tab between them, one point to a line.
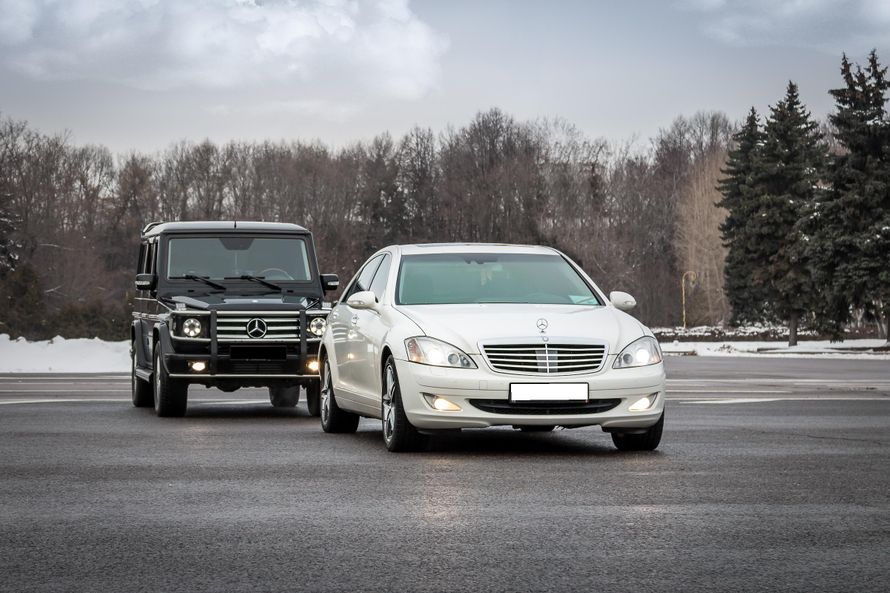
317	325
639	353
191	328
437	353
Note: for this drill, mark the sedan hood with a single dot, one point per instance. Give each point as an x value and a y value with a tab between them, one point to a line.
466	326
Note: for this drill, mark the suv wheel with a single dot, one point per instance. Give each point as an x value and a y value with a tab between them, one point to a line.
284	397
313	398
141	390
333	418
398	432
647	441
170	395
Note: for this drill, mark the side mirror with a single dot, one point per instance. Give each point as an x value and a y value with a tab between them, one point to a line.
330	282
622	300
362	300
145	281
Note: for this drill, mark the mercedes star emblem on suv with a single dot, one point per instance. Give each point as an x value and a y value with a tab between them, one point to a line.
256	328
542	325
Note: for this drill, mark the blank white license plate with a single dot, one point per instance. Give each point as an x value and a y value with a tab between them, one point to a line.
548	392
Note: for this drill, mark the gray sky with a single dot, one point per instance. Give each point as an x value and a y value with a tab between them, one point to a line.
140	74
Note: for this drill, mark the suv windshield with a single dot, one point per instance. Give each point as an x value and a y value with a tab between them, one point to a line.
472	278
271	258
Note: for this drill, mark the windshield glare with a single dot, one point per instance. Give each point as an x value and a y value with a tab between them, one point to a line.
218	258
474	278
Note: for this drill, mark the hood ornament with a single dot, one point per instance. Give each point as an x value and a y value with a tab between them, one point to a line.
542	325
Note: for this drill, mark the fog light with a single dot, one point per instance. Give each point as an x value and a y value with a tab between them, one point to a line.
198	366
313	366
441	404
644	403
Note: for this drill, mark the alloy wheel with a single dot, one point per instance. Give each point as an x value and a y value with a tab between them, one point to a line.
388	402
326	393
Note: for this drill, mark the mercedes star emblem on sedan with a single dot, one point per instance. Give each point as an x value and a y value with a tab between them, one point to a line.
256	328
542	325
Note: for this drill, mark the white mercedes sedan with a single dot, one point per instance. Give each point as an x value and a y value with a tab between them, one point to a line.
453	336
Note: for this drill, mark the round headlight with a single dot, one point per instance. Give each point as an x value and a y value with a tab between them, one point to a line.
317	325
191	327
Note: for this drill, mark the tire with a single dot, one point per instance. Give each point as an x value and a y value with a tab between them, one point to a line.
170	395
647	441
399	435
313	398
536	428
141	390
333	418
284	397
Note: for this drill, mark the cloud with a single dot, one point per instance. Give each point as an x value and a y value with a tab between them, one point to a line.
831	25
314	47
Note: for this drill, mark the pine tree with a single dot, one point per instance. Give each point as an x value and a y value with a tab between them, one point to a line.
739	199
782	179
850	226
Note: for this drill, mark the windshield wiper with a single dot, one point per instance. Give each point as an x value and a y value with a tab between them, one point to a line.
203	279
258	279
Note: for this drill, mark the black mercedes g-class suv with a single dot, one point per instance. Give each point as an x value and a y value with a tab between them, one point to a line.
229	305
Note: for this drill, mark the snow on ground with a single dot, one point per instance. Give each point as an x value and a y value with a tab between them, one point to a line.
97	356
861	349
63	356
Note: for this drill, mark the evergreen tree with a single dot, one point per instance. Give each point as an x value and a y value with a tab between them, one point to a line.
850	226
792	162
740	199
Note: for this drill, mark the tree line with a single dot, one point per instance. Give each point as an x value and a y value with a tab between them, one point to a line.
635	215
808	225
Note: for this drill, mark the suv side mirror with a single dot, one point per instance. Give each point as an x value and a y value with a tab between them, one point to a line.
362	300
330	282
622	300
145	281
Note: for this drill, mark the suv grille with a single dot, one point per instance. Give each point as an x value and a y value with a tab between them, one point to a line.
545	358
277	328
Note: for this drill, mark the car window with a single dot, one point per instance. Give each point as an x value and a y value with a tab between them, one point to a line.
470	278
143	253
363	280
273	258
378	285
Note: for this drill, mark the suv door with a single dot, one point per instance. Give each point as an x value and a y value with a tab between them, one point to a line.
342	320
369	329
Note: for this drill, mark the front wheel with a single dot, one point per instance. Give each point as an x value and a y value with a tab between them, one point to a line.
141	390
398	433
313	398
333	417
647	441
170	395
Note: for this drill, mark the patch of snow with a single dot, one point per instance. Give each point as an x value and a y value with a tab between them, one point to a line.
63	356
852	349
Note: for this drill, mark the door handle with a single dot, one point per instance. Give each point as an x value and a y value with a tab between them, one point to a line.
355	320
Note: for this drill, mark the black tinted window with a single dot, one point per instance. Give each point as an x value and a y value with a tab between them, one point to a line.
378	286
363	281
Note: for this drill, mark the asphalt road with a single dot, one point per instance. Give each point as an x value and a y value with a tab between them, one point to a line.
774	475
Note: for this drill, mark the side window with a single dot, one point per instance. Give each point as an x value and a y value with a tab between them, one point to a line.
363	281
143	255
378	285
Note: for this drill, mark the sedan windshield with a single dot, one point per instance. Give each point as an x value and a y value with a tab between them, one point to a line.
475	278
221	258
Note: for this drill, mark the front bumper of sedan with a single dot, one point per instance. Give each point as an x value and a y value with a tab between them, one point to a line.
483	397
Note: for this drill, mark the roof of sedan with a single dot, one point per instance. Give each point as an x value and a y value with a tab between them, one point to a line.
421	248
201	226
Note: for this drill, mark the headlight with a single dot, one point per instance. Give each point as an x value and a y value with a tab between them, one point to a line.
639	353
437	353
317	325
191	328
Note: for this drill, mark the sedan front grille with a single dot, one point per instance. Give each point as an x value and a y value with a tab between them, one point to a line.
551	359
